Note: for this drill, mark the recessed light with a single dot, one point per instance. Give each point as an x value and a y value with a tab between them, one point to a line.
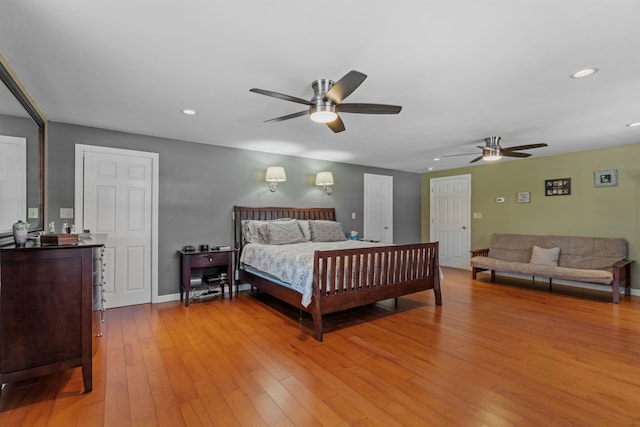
436	159
584	73
430	169
189	112
633	124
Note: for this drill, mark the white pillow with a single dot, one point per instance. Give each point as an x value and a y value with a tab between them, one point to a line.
304	227
543	256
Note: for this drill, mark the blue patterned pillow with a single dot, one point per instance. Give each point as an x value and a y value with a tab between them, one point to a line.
326	231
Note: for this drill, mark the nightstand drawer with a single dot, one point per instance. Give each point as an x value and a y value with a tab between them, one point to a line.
209	259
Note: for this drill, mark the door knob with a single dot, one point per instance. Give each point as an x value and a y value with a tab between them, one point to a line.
464	227
386	228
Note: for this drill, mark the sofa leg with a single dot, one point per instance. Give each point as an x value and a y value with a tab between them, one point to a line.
616	292
493	276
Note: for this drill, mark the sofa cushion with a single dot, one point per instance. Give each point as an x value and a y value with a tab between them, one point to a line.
575	251
545	256
604	277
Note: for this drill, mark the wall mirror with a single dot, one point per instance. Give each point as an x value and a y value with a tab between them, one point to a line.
19	118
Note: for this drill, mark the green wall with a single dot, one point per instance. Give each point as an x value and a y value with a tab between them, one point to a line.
588	211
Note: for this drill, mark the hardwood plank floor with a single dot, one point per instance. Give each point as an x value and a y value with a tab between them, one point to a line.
498	354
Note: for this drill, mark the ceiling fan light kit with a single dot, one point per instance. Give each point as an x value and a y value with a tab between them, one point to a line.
492	156
492	150
323	113
327	101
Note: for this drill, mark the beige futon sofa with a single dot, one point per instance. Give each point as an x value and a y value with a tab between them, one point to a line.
600	260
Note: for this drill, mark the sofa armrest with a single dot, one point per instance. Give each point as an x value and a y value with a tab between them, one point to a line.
621	274
479	252
622	263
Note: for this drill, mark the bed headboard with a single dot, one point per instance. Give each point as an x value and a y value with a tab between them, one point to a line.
241	213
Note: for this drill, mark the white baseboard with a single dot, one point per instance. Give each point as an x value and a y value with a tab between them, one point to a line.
167	298
176	296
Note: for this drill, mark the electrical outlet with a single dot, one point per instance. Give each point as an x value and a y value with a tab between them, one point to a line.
33	213
477	215
353	215
66	213
500	199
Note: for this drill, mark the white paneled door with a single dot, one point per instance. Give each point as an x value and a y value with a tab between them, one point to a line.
378	207
117	200
450	219
13	181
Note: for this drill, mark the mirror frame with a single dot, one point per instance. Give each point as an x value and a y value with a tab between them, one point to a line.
15	88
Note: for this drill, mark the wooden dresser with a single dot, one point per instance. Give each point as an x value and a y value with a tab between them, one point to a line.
51	309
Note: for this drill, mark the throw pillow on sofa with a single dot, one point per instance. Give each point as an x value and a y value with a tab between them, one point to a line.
544	256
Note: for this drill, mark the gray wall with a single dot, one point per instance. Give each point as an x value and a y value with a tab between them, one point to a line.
200	184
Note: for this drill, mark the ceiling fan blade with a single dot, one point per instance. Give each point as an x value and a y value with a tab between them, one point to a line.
476	159
289	116
345	86
280	96
369	108
337	125
514	154
456	155
524	147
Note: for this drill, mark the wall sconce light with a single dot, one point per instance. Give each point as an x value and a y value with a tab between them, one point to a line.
275	174
326	180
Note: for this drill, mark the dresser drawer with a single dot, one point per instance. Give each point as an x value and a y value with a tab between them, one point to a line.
210	260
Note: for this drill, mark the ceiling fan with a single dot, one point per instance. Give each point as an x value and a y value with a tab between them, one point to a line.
493	151
327	101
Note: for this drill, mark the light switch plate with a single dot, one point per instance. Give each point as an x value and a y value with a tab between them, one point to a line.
477	215
66	213
353	215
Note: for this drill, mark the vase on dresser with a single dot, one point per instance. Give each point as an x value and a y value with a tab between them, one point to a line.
20	232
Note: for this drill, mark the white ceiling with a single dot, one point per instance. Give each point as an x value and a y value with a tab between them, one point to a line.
462	70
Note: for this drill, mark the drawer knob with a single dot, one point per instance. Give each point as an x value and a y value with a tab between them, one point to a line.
99	335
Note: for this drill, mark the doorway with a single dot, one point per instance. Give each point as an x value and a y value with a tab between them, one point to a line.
378	208
116	193
13	181
450	201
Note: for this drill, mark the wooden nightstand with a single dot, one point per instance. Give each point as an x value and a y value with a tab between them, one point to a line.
191	262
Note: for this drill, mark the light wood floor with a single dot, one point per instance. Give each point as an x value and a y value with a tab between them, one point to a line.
493	354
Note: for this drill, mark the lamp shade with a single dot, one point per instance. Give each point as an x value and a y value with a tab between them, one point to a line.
324	178
275	174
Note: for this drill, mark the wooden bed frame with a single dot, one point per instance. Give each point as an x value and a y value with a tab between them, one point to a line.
411	268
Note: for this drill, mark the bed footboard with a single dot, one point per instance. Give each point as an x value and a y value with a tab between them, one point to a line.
350	278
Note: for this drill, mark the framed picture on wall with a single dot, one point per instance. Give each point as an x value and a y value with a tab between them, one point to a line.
557	187
607	178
